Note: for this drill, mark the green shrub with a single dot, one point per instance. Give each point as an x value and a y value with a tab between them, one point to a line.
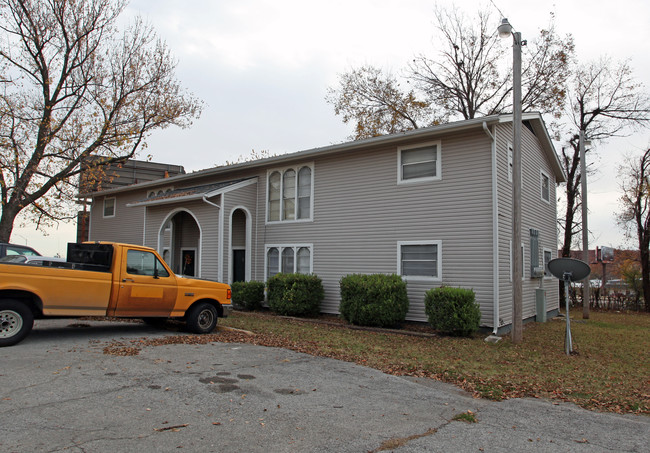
295	294
374	300
452	311
248	295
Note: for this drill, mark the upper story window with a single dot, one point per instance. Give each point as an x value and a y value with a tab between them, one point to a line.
546	186
419	163
290	194
109	207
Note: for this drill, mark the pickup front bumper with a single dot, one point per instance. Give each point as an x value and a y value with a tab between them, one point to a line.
227	309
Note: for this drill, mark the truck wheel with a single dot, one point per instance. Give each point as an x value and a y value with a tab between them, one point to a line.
201	318
16	321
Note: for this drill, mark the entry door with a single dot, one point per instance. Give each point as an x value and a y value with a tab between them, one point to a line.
188	262
147	288
239	265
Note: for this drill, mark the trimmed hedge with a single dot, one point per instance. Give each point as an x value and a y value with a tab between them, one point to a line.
373	300
295	294
248	295
452	311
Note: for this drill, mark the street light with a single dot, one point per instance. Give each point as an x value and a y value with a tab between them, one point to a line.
505	30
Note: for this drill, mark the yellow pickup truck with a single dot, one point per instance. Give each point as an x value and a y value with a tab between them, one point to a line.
106	279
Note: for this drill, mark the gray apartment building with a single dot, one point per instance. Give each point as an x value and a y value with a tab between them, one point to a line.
433	205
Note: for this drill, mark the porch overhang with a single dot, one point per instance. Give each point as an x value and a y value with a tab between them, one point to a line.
197	193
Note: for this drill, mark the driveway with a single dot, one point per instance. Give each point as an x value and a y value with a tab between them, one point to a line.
60	392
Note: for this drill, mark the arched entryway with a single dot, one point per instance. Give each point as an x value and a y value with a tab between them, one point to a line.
180	243
240	255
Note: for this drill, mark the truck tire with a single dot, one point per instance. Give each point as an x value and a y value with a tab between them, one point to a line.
201	318
16	321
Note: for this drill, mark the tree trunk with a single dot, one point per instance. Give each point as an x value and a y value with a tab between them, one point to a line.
645	270
7	223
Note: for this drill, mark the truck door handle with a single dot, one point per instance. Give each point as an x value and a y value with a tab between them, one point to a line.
128	280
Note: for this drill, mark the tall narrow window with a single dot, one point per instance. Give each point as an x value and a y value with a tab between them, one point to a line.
534	251
510	163
288	260
304	193
272	262
304	261
109	207
274	196
546	187
289	195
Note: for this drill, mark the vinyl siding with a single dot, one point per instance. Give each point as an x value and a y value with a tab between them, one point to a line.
360	214
245	197
536	214
127	224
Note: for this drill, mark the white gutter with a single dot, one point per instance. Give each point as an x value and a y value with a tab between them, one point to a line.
205	199
495	231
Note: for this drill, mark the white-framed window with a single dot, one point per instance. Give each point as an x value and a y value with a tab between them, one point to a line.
510	161
288	259
420	260
109	207
545	181
419	163
548	256
290	192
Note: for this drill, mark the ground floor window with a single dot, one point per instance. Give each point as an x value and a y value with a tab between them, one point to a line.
292	258
419	260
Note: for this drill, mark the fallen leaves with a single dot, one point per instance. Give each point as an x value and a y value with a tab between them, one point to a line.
535	369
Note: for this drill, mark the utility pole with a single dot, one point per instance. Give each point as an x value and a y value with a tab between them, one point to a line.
505	30
585	228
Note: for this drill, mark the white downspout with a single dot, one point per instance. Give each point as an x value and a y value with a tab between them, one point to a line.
495	231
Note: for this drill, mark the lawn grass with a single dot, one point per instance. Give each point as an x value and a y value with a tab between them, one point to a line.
609	371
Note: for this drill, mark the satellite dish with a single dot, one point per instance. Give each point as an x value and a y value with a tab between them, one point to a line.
574	270
569	270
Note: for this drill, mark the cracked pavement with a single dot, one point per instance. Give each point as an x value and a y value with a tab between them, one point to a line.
61	393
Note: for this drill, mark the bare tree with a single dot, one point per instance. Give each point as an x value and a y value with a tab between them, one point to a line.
605	101
635	214
73	88
469	78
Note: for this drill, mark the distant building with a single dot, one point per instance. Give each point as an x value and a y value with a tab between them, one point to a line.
114	176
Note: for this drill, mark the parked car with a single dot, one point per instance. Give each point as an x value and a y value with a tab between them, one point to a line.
33	260
13	249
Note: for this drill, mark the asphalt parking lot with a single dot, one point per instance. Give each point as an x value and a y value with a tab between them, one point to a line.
61	392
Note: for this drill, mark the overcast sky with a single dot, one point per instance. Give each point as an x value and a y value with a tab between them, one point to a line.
263	68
